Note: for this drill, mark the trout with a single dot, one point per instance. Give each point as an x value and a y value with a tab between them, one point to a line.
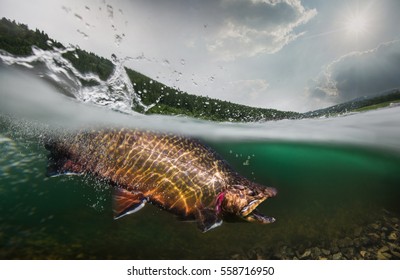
179	174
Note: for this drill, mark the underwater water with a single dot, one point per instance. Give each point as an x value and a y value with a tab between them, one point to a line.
337	181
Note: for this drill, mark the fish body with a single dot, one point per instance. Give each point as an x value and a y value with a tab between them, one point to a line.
178	174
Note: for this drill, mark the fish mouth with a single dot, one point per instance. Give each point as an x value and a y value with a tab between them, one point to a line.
249	208
250	212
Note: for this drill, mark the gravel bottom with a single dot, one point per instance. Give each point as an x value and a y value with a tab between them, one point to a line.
379	240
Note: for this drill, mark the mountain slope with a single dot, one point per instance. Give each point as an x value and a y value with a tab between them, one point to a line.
18	39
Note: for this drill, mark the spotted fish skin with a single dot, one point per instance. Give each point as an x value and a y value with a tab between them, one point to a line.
179	174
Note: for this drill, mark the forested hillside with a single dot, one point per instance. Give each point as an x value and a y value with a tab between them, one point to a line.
18	39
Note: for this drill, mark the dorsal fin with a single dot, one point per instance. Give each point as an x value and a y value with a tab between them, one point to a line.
126	202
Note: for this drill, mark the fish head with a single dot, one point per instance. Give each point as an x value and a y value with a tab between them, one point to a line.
243	199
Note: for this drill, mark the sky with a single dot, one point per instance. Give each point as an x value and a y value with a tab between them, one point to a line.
296	55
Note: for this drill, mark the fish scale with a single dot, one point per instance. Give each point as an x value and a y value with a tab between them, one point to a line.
179	174
144	154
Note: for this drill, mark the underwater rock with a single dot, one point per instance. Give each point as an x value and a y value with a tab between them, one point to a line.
393	236
236	257
337	256
375	226
306	254
383	253
363	253
334	249
370	241
256	254
395	250
374	237
348	253
279	253
315	252
326	252
394	220
365	241
289	252
259	257
383	256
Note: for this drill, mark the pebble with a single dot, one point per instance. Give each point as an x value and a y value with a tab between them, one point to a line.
375	226
395	250
306	254
348	253
326	252
337	256
315	252
393	236
374	237
363	253
383	256
378	240
235	257
335	249
384	249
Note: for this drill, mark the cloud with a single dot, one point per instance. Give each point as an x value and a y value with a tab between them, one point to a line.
358	74
251	27
247	92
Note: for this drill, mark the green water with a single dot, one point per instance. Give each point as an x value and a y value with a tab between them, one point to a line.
324	192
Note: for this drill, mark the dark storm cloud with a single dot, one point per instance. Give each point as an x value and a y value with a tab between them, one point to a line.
359	74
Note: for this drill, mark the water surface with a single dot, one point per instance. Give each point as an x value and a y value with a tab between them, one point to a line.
334	176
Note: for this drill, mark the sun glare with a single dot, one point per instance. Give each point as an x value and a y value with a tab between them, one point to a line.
357	24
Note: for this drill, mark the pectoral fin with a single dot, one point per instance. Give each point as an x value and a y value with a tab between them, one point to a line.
126	202
62	166
59	162
207	219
